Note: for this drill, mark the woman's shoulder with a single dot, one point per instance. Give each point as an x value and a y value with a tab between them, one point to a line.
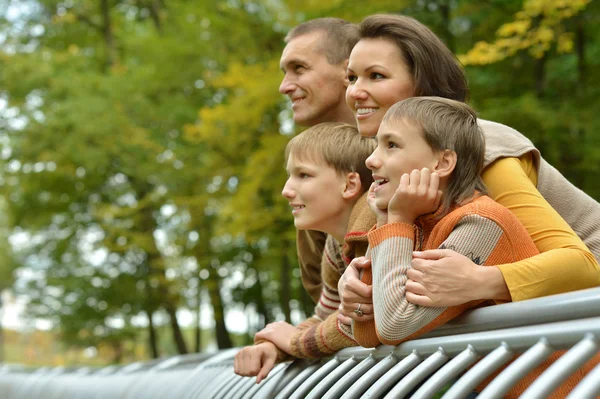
502	141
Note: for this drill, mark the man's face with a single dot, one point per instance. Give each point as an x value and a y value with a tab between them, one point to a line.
316	88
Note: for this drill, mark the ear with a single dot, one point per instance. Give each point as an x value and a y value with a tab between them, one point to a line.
352	186
446	163
345	71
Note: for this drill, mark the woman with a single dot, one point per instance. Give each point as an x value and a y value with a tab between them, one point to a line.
395	58
398	57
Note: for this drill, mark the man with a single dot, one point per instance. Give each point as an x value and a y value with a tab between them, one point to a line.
314	63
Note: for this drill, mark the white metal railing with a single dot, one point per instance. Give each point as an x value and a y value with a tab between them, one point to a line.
458	355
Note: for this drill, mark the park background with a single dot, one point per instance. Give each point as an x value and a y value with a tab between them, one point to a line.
141	157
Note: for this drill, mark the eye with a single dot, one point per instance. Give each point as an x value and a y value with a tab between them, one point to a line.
303	175
299	68
351	78
377	76
391	144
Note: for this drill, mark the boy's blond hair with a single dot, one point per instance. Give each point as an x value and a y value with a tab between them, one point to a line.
448	125
337	145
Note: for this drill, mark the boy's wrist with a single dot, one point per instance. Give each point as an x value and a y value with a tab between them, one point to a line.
394	217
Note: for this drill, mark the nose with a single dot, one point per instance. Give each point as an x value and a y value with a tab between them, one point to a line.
356	91
287	191
373	162
287	85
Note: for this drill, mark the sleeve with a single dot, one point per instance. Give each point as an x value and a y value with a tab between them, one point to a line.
564	263
396	319
322	339
310	245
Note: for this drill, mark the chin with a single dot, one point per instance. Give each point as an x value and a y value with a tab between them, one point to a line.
367	131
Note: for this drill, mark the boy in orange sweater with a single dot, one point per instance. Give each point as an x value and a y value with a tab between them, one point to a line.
428	194
327	178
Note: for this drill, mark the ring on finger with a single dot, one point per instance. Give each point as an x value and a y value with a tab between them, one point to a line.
358	311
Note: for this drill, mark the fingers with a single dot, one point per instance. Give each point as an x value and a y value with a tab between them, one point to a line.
420	300
246	362
344	319
433	254
416	288
360	262
357	291
414	275
268	362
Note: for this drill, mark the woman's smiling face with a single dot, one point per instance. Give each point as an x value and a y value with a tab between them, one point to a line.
379	78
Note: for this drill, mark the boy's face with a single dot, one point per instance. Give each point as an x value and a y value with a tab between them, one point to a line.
315	87
314	192
401	148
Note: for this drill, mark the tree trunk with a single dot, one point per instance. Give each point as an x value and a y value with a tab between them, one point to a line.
284	282
108	33
152	336
198	336
580	50
540	76
308	306
222	335
261	306
177	334
446	18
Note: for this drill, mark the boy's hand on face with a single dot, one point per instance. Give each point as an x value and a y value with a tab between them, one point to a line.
279	333
417	194
257	360
381	214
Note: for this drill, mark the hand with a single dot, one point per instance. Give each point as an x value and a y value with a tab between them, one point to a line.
416	195
353	292
279	333
443	278
381	214
257	360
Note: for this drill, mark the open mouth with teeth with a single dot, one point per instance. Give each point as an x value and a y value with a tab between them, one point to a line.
380	182
297	100
296	208
365	111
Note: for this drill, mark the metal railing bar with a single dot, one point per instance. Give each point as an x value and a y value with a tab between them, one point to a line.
213	383
347	380
562	368
561	307
296	382
445	374
228	386
474	376
274	375
314	379
589	387
276	385
518	369
370	377
393	375
319	390
412	379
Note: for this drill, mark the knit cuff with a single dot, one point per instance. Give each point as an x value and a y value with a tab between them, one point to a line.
399	229
321	340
